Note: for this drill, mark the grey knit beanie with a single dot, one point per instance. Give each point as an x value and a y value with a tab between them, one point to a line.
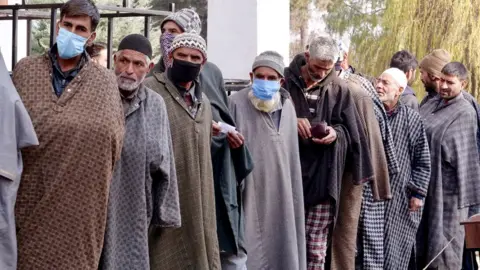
190	40
187	19
270	59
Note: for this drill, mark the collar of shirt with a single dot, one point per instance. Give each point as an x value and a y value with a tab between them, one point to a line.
56	66
191	91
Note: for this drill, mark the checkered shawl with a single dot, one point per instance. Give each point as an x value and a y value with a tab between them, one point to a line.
382	118
413	156
454	184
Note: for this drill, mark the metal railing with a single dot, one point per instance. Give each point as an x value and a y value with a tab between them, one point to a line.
29	12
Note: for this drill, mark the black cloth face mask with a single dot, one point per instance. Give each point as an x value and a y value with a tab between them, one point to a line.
183	71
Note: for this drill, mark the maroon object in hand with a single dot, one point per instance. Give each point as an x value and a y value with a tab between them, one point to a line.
320	131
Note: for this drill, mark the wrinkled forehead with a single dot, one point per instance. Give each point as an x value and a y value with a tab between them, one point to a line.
264	71
184	51
323	64
132	55
387	77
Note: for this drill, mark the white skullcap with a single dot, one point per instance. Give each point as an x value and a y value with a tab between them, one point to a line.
398	75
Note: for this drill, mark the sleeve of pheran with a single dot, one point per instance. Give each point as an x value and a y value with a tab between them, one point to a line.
166	205
421	163
459	149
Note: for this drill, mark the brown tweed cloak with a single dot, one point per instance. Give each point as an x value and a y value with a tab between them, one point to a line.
195	244
344	236
62	200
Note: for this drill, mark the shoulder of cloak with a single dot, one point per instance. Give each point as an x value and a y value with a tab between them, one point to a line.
239	97
156	83
24	66
340	94
153	97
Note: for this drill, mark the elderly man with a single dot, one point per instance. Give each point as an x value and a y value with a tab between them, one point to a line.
231	159
373	118
266	116
144	190
74	103
410	184
16	133
406	62
451	126
324	104
195	244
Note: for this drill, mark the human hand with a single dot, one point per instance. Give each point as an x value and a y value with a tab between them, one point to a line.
304	128
415	204
215	128
235	139
330	138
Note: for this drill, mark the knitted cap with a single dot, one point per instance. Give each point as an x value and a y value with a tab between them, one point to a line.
398	75
137	43
187	19
434	62
190	40
270	59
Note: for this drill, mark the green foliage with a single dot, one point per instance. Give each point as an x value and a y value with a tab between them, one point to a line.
299	17
415	25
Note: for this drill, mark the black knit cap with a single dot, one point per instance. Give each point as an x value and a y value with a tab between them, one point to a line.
136	42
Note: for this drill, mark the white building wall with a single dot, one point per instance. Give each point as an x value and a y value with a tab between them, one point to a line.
238	30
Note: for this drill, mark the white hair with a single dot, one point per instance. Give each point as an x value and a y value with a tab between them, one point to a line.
118	53
323	48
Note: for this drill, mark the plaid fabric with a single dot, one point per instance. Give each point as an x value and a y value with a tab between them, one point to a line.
371	231
414	159
318	221
451	129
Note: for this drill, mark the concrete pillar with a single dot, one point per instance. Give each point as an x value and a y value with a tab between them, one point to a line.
240	30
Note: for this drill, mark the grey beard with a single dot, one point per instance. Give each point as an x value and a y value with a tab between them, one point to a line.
264	105
128	85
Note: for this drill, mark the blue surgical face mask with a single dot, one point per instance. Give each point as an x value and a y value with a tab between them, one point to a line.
69	44
265	89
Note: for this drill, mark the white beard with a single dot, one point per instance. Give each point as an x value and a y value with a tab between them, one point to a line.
264	105
129	85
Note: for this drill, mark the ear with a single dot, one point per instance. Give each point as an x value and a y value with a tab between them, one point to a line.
464	84
307	55
400	91
251	77
150	67
282	81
